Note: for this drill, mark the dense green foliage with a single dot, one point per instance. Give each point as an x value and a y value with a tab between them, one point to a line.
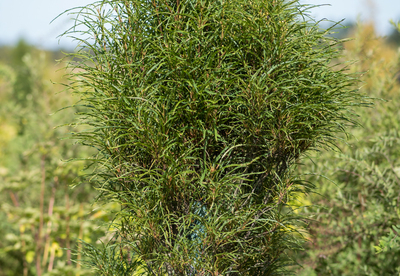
199	111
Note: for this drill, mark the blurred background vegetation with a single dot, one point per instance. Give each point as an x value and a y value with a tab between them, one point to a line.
43	212
358	200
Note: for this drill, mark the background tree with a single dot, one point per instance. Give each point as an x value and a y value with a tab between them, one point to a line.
394	37
199	111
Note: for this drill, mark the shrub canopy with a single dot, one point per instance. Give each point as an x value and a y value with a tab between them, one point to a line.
199	111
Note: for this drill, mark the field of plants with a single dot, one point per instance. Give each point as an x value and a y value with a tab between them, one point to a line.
42	214
356	206
51	223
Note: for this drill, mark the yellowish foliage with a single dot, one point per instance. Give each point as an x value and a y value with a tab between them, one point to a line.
376	59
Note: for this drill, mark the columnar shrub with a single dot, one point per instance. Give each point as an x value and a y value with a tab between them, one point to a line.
200	110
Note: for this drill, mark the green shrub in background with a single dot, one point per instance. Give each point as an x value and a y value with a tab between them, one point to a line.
199	111
392	240
357	217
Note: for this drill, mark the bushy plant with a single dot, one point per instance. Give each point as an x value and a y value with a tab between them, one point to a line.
199	111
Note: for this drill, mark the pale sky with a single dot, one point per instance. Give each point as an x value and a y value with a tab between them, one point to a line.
379	11
31	19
